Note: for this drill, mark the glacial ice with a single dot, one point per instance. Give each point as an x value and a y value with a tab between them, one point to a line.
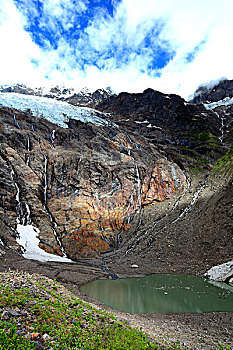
57	112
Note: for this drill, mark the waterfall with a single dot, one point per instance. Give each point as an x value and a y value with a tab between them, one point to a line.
184	211
53	137
139	201
19	208
27	234
221	127
54	225
184	193
45	180
28	150
28	214
16	122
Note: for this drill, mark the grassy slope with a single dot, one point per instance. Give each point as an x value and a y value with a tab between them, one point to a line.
37	312
49	316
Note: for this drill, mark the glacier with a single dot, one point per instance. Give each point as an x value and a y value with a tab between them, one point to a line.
57	112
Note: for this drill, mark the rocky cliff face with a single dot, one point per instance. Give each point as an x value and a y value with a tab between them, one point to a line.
85	182
213	92
189	134
150	185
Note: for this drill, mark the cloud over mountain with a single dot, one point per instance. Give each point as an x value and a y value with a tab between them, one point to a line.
172	46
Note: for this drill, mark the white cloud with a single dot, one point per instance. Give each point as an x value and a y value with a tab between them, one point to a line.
113	51
17	48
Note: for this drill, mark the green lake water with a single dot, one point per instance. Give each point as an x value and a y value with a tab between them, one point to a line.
162	293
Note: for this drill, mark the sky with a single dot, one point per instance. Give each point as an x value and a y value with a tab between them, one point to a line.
172	46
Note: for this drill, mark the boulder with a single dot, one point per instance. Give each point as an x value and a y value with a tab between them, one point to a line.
222	273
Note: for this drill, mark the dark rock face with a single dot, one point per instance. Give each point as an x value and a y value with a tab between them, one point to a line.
214	93
87	99
145	189
91	180
185	131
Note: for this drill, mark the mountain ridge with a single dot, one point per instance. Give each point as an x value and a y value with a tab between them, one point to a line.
135	188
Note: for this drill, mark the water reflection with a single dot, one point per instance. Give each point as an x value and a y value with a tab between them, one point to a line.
162	293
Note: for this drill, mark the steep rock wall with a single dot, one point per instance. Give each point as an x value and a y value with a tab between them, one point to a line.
82	185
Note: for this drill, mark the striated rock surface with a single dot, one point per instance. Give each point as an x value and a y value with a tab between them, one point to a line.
81	186
150	186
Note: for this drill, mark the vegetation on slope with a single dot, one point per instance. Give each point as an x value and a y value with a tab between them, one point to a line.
224	165
38	313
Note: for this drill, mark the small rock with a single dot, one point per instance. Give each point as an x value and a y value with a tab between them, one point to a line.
4	315
38	345
134	266
12	312
46	336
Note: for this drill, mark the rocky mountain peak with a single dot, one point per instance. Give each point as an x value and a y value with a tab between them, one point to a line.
82	97
213	92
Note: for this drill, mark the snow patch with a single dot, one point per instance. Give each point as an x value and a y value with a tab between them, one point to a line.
28	239
227	101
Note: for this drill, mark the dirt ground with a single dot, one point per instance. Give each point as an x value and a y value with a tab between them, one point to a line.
194	330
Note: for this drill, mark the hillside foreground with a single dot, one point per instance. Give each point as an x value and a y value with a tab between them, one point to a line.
51	315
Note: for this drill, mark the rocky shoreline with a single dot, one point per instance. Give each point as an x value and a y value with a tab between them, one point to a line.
193	330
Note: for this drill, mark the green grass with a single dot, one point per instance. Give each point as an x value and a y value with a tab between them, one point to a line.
10	340
204	137
224	164
47	308
70	323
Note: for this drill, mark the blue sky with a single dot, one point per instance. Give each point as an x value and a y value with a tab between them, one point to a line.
130	45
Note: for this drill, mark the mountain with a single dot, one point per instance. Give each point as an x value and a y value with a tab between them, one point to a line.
143	178
214	92
82	97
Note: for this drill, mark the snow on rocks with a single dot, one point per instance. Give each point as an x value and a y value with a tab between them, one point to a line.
57	112
223	272
28	239
225	102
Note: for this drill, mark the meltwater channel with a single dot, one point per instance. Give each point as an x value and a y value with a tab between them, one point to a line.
162	293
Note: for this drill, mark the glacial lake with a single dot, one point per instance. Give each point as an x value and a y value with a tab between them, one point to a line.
162	293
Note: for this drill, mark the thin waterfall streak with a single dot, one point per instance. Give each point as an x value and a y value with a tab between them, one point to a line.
54	225
45	179
28	215
16	122
19	208
222	126
53	136
28	150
